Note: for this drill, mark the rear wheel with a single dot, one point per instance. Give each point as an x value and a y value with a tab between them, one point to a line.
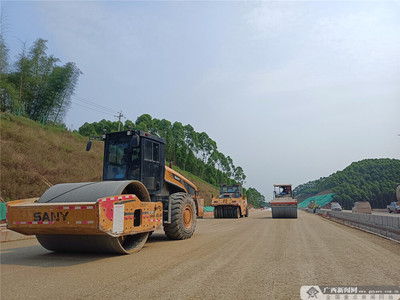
183	217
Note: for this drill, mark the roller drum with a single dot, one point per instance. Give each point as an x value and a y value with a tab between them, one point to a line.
91	192
284	212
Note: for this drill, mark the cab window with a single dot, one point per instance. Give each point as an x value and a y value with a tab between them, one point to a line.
151	151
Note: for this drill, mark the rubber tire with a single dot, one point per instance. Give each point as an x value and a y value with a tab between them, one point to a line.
176	230
247	212
237	216
215	212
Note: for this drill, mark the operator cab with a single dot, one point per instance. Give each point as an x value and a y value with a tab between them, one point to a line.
230	191
282	190
135	155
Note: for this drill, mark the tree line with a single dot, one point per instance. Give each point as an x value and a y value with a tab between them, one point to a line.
35	86
373	180
255	198
192	151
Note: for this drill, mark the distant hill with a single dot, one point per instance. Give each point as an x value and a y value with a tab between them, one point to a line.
373	180
35	157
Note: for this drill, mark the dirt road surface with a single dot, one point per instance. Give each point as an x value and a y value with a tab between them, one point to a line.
249	258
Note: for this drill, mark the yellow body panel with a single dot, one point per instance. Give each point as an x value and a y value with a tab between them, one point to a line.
175	178
240	202
29	217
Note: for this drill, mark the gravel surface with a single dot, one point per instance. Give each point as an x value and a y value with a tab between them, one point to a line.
248	258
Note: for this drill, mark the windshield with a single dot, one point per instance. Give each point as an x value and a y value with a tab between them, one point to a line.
230	192
116	159
121	161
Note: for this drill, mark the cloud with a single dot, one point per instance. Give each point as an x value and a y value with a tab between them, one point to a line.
273	18
96	33
366	37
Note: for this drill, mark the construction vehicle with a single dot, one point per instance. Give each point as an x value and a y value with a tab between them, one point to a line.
283	205
138	195
362	207
231	202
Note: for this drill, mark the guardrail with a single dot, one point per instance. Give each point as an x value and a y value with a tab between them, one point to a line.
386	226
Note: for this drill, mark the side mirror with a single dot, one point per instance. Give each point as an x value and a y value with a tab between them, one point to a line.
88	145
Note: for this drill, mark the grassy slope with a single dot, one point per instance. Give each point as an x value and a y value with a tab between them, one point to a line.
31	156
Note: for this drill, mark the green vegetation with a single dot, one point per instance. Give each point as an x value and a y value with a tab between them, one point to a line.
34	86
372	180
255	198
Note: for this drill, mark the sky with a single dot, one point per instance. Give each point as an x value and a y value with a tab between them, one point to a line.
291	91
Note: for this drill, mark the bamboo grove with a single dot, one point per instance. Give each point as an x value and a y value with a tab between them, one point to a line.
35	86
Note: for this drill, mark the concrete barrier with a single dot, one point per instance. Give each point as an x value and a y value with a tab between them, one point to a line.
386	226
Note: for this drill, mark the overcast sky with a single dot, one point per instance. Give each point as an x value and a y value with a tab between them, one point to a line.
292	91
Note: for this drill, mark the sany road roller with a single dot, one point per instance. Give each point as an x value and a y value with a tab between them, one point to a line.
138	194
283	205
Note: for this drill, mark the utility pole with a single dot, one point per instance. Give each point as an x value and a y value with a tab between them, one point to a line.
120	115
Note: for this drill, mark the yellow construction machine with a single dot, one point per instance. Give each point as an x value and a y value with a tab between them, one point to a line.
138	194
283	205
231	202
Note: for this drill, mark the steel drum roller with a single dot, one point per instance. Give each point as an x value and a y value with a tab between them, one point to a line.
91	192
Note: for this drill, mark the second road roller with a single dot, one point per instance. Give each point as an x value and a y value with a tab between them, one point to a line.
138	194
283	205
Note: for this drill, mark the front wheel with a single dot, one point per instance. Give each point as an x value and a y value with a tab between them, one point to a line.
183	217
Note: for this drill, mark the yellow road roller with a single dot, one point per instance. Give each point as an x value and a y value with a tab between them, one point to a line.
138	194
231	202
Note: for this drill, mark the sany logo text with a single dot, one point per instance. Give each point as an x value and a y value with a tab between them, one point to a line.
53	216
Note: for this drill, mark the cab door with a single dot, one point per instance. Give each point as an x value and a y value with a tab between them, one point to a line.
153	165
